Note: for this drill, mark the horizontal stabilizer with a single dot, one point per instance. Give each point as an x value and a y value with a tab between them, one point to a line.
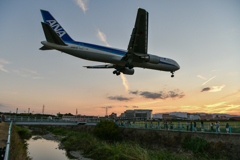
51	35
45	48
102	66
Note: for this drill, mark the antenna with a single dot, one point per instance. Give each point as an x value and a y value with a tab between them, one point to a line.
28	110
43	110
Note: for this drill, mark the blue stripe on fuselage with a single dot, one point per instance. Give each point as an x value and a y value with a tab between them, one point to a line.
101	48
107	49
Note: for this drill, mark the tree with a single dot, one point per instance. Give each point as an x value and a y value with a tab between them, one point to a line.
107	130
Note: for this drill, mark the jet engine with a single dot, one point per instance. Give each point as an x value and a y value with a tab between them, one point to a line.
128	71
151	58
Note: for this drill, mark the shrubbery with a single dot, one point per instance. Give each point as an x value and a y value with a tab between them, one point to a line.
197	145
107	130
23	132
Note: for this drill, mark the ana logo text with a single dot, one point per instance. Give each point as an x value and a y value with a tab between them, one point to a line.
56	27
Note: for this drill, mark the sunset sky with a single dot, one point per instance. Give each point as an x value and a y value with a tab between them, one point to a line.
202	36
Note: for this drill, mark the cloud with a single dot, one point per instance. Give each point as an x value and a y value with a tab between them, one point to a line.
209	80
133	92
107	107
152	95
233	73
205	89
201	77
213	88
3	61
119	98
83	4
134	106
37	78
29	71
126	106
2	69
215	105
102	37
230	95
159	95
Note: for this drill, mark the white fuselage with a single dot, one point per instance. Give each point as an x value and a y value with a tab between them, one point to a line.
109	55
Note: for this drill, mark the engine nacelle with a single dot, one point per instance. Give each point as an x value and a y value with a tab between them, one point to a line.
127	71
151	58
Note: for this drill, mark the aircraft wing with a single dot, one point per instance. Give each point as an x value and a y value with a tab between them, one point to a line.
102	66
138	43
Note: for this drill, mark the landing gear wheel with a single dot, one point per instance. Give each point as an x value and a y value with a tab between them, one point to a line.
118	73
172	74
114	72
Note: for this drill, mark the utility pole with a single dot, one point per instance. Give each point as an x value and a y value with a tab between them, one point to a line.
28	110
17	111
43	110
76	112
106	111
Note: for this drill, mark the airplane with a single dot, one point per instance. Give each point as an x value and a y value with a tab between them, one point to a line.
123	61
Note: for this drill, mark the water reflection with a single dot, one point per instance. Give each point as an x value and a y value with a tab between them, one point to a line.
39	149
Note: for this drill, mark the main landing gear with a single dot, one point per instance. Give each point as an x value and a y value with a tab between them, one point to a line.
172	74
130	66
116	72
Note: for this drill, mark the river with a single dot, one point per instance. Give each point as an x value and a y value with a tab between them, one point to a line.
49	147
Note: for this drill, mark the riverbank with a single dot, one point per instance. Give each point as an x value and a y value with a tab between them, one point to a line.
3	134
52	144
103	150
18	146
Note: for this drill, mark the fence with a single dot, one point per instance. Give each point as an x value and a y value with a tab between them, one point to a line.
46	119
183	127
6	157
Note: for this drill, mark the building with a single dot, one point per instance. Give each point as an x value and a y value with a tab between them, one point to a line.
206	117
168	117
113	116
137	114
217	117
235	118
193	116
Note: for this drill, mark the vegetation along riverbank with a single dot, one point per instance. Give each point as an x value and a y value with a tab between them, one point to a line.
18	146
105	143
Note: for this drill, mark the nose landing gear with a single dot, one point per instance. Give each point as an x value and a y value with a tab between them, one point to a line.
172	74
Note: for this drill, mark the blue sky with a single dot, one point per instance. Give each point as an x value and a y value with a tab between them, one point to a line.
202	36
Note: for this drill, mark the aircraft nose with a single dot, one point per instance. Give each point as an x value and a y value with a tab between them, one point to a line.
177	66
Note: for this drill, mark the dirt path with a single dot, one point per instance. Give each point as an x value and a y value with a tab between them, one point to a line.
3	134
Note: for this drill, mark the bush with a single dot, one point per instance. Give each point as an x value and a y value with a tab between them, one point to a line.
197	145
23	133
107	130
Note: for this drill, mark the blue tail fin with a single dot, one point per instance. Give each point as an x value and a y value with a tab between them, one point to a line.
49	19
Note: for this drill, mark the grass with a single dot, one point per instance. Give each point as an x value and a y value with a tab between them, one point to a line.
3	134
18	150
24	133
95	148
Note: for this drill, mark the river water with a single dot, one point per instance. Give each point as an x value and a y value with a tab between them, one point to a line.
48	147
